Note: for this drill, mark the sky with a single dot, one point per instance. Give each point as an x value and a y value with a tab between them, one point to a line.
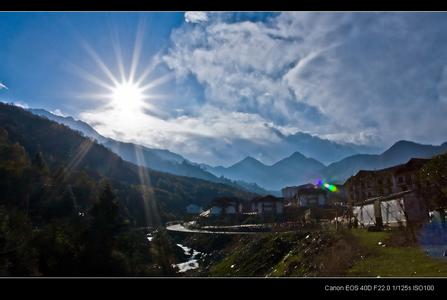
220	86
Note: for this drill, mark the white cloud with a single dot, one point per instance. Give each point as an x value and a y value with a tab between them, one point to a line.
361	77
350	77
58	112
2	86
196	17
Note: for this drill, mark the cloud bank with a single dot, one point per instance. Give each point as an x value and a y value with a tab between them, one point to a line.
196	17
367	78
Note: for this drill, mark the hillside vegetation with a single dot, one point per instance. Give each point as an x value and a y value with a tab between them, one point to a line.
70	207
65	149
355	252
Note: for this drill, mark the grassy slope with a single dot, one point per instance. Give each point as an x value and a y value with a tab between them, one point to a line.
393	260
348	253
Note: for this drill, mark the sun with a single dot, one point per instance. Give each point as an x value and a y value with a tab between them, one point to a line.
127	96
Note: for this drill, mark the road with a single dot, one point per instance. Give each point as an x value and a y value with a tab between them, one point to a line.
181	228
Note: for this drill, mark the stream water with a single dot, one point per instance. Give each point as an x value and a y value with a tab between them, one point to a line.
193	255
192	263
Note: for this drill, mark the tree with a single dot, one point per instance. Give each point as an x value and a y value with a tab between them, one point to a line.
17	256
39	162
101	236
434	184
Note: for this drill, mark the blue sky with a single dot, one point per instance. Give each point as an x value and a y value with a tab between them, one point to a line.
223	84
39	48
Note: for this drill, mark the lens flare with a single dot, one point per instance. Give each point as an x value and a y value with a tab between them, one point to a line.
328	186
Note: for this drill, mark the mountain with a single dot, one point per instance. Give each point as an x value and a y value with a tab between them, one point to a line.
156	159
296	168
398	153
288	171
299	169
255	176
78	125
71	153
88	131
324	150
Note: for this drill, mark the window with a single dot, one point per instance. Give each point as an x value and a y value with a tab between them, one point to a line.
400	179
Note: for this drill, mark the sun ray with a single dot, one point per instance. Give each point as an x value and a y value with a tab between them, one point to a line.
90	77
118	54
151	212
159	81
155	96
96	96
137	50
124	99
100	63
81	152
147	72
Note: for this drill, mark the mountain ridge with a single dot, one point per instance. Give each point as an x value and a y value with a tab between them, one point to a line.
293	169
68	150
398	153
250	169
158	159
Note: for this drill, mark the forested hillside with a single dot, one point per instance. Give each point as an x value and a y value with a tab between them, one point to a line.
69	206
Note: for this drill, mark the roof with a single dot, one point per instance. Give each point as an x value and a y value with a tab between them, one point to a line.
412	164
309	188
225	201
267	198
384	198
299	186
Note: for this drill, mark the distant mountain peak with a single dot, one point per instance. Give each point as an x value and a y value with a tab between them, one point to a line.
403	143
249	160
297	154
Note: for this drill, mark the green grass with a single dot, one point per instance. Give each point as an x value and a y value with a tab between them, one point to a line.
393	261
257	257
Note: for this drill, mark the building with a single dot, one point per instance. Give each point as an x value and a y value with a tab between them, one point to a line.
306	195
267	205
369	184
376	193
224	206
289	193
311	196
